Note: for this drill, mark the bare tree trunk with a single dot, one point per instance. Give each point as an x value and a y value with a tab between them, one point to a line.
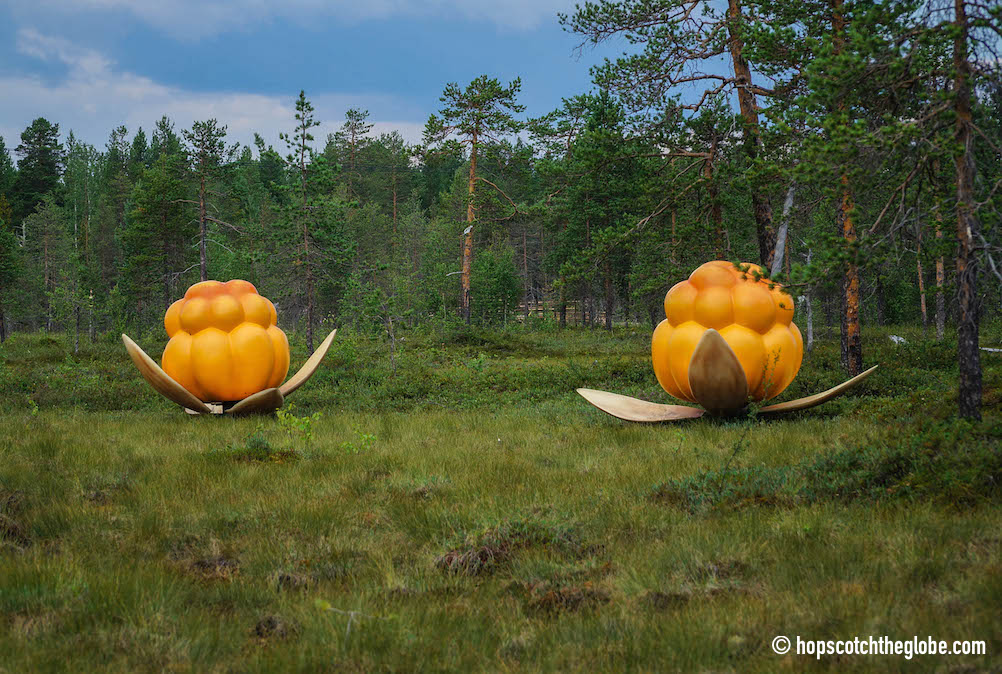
563	308
394	202
881	298
540	308
525	274
852	347
921	284
588	305
306	248
608	295
749	113
393	343
810	324
3	323
76	282
940	280
45	285
968	356
203	266
716	211
309	288
780	250
468	233
807	301
674	240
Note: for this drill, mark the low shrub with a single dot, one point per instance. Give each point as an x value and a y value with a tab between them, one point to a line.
956	463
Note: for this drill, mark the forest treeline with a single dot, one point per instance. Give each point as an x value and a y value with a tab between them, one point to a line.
852	149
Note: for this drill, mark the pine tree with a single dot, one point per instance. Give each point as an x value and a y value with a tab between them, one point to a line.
386	175
350	140
271	170
681	44
39	167
599	205
968	225
832	93
139	155
314	218
554	136
8	241
154	245
47	250
208	152
81	186
112	212
165	141
8	174
481	113
9	266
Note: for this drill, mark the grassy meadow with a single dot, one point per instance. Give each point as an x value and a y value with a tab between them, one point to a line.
459	507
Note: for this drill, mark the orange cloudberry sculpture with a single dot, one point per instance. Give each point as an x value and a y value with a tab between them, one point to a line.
226	353
728	339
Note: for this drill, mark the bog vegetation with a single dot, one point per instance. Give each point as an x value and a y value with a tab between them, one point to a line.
471	512
438	497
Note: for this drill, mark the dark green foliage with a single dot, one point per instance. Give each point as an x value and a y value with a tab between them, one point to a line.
9	261
437	478
726	488
156	242
270	171
950	462
599	208
7	171
207	154
40	163
311	237
47	240
496	285
953	463
346	146
165	140
256	449
485	109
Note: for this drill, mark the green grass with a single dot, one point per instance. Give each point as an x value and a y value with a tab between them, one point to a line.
472	513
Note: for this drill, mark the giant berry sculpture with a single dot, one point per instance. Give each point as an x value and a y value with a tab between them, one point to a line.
226	352
224	342
728	339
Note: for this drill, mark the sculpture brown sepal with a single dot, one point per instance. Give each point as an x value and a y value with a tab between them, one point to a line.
261	402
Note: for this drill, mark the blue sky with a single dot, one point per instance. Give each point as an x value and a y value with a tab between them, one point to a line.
92	64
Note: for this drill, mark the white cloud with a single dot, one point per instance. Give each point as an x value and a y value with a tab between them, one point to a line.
94	97
192	19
